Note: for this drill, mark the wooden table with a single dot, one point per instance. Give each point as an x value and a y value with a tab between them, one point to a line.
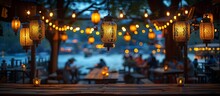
159	72
96	75
109	89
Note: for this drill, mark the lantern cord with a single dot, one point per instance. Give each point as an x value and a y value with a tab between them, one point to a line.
108	7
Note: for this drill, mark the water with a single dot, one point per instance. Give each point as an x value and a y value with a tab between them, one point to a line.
114	61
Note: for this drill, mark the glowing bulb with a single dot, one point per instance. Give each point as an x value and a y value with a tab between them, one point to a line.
28	12
51	14
186	11
168	13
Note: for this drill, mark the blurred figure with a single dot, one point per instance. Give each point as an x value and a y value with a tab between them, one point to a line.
195	63
150	57
191	68
175	64
139	63
101	64
68	71
130	63
212	61
153	63
3	65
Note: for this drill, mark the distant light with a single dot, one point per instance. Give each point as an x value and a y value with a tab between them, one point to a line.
174	17
97	33
54	26
168	23
186	11
123	29
47	20
168	13
42	17
28	12
171	21
216	30
135	32
140	43
77	28
51	14
119	33
143	31
71	28
50	24
82	31
147	25
39	12
137	26
126	51
179	14
136	50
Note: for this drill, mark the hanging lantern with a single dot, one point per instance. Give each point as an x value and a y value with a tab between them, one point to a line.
37	29
15	24
127	37
133	27
74	15
121	14
64	37
95	17
151	35
25	40
209	15
91	40
181	30
108	32
88	30
145	14
206	28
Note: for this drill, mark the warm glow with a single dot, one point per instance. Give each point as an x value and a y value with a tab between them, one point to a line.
99	46
37	29
121	14
178	14
158	46
15	24
51	14
196	49
50	24
108	32
153	52
42	17
143	31
168	23
47	20
77	28
147	25
145	15
206	29
95	17
73	15
64	37
97	33
119	33
25	40
158	50
36	82
174	17
135	32
171	21
91	39
209	15
168	13
71	28
28	12
123	29
181	31
126	51
151	35
88	30
186	11
165	67
180	81
127	37
133	27
137	26
136	50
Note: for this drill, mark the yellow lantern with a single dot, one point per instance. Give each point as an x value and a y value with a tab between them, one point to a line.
208	15
64	37
108	32
151	35
91	40
36	82
88	30
133	27
181	30
206	28
180	81
37	29
25	40
121	14
95	17
74	15
15	24
166	67
145	14
127	37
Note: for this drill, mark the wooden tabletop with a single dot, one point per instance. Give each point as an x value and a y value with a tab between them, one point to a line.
169	71
96	74
109	89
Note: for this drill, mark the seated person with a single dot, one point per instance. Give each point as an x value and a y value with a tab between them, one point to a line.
68	71
101	64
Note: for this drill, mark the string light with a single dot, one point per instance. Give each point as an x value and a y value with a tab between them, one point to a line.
168	13
51	14
28	12
186	11
123	29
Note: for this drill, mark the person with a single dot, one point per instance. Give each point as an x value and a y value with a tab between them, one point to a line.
191	68
212	61
3	65
101	64
175	64
153	63
67	72
195	63
139	63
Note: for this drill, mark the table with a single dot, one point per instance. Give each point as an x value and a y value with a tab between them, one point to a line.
109	89
96	75
159	72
